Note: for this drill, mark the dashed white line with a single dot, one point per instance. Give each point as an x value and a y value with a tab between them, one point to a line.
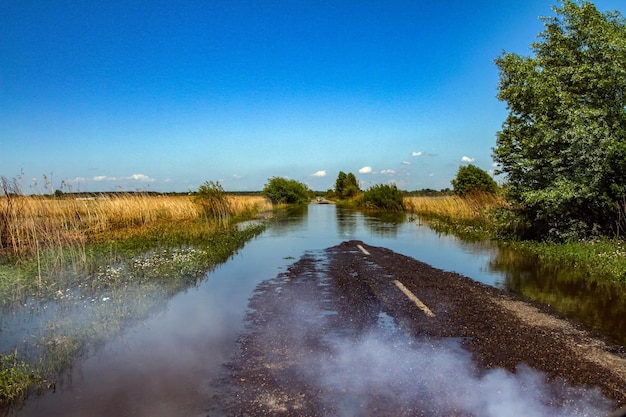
413	298
363	249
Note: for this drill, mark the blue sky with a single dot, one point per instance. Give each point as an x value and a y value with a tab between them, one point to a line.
163	95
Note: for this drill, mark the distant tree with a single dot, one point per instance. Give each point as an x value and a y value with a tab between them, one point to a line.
383	197
346	185
283	191
340	184
472	180
563	144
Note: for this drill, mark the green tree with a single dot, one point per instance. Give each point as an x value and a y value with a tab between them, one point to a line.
283	191
346	185
340	184
563	144
471	180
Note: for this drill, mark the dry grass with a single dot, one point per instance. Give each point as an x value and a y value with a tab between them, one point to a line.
454	207
31	224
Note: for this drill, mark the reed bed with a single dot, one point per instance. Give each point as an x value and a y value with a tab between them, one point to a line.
470	218
32	224
455	208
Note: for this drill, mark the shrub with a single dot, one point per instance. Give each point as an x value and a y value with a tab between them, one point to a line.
383	197
214	202
283	191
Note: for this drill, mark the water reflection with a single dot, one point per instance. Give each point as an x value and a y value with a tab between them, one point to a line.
386	225
165	365
596	302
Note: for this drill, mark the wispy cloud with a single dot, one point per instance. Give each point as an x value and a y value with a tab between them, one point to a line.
101	178
416	154
365	170
467	159
406	163
321	173
387	172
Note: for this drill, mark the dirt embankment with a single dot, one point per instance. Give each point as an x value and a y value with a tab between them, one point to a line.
361	330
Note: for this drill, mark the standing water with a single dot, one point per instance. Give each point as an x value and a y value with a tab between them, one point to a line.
170	364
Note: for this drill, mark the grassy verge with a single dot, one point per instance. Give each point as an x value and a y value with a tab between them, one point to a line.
85	290
474	219
601	258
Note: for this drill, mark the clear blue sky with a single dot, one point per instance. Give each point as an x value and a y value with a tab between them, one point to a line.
164	95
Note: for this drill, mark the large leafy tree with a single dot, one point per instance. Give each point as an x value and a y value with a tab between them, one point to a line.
563	144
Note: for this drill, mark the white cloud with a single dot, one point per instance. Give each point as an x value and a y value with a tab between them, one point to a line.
387	172
406	163
321	173
101	178
365	170
467	159
140	177
416	153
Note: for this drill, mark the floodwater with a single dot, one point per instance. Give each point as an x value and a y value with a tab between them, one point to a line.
170	364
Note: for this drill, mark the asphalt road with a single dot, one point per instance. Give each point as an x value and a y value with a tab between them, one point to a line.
356	330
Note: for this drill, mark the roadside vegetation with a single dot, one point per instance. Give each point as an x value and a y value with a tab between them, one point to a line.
112	259
562	149
282	191
563	145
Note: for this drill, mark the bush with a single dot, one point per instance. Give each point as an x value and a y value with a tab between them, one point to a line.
283	191
214	202
383	197
472	180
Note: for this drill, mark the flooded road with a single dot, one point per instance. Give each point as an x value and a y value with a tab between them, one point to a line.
170	364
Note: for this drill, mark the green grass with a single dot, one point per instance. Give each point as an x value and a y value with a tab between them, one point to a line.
601	257
119	283
476	219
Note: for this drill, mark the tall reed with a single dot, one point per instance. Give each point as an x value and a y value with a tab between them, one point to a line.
35	224
454	208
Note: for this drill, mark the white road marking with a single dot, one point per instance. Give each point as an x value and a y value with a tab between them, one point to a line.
413	298
362	249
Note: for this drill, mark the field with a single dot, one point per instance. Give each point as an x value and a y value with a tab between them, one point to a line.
30	225
113	258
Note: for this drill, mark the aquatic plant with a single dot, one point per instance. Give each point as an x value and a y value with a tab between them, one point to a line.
16	377
214	202
121	279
